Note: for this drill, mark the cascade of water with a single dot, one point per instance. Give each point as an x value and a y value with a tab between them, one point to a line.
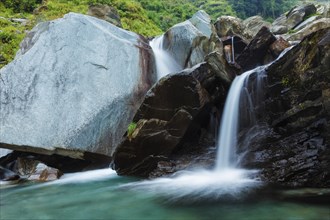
164	62
227	140
232	49
230	120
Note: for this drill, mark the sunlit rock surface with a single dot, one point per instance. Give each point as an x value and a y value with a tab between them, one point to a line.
190	41
74	86
293	18
252	26
310	28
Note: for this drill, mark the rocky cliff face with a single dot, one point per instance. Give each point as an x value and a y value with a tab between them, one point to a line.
74	87
294	149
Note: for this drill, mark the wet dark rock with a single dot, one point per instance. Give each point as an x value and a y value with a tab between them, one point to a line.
309	195
63	163
239	45
295	149
253	55
174	113
8	175
278	46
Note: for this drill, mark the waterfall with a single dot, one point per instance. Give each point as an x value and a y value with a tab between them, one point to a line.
164	61
230	122
225	181
227	140
232	49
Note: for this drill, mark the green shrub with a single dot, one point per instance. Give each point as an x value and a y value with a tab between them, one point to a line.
131	128
21	5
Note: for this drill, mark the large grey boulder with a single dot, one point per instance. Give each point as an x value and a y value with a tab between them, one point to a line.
73	87
190	41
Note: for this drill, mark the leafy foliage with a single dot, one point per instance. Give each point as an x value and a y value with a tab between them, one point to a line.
21	5
131	128
167	13
265	8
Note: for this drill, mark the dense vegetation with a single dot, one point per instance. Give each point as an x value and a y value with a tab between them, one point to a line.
133	17
146	17
167	13
266	8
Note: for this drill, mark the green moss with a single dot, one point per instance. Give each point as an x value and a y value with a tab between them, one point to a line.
285	81
312	15
131	128
292	31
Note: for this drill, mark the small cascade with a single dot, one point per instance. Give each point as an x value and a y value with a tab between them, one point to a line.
229	50
164	62
227	141
226	180
240	104
232	49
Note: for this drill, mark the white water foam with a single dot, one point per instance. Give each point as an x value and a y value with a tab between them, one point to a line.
200	185
87	176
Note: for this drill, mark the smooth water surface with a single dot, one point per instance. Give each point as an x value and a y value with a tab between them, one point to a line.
104	195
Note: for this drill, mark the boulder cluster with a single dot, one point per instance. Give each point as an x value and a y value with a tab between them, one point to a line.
79	82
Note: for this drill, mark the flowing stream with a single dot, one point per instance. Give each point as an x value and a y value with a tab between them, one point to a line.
99	195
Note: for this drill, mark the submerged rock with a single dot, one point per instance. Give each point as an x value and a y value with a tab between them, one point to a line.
73	87
44	173
29	169
8	175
